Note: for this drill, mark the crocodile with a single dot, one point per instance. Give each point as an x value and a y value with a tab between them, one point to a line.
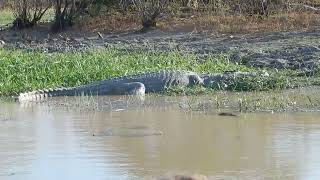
140	84
127	85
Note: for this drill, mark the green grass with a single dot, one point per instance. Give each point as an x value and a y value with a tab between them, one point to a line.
24	71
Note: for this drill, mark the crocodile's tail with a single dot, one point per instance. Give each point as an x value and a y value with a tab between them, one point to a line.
40	95
132	88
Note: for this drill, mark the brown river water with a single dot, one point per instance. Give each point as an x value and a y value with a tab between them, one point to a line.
124	138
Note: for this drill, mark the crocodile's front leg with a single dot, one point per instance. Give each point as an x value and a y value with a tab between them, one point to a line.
132	88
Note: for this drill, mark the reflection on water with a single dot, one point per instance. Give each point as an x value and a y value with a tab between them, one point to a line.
45	141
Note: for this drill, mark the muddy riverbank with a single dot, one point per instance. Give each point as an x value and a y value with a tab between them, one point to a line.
281	50
292	100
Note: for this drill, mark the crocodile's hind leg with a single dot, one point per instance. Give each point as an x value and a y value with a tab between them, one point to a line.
132	88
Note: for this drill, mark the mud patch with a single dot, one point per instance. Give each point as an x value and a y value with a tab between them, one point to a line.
292	50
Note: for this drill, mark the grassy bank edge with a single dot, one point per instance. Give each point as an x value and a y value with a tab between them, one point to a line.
22	71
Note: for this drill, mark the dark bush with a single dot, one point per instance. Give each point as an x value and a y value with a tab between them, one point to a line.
149	10
28	12
67	11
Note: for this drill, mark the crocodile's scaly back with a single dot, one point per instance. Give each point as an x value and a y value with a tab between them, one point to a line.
136	84
159	81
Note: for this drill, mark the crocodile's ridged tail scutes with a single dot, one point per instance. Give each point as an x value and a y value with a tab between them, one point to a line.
40	95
